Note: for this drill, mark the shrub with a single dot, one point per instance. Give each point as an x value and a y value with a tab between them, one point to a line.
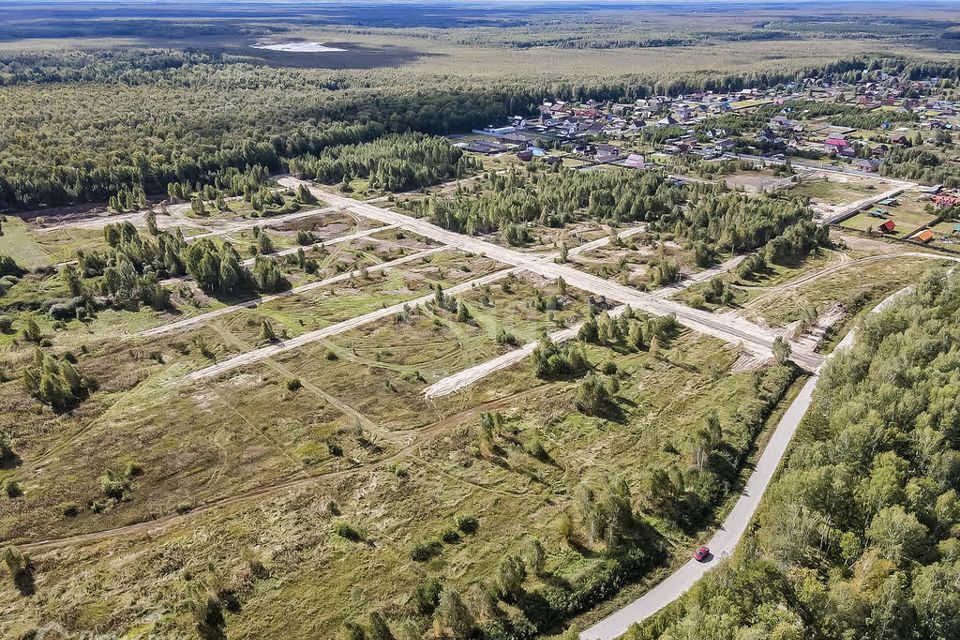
506	338
347	531
424	550
467	524
426	596
593	396
12	489
293	384
112	487
20	567
450	536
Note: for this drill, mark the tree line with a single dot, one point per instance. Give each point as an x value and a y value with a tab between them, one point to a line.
858	537
192	117
400	162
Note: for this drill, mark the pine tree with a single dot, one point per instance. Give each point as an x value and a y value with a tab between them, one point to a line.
454	616
266	331
379	630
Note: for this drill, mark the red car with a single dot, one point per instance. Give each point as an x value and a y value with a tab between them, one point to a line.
701	554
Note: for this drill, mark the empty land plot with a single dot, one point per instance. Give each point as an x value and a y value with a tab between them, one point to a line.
51	247
382	368
753	181
293	315
632	261
856	287
774	275
192	445
18	242
521	487
834	190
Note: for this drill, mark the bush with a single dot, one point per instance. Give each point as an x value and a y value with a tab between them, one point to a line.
347	531
424	550
293	384
467	524
20	567
12	489
593	396
112	487
426	596
504	337
450	536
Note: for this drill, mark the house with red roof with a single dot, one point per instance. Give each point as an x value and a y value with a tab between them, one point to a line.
838	146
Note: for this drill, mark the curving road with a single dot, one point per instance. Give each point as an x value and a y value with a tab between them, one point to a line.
734	526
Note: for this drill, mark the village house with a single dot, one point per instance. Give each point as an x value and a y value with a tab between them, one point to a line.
838	146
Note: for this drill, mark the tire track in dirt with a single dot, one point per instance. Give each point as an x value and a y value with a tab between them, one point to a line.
286	484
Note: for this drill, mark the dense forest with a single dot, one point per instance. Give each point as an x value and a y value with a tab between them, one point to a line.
553	198
393	163
712	218
155	117
859	536
921	165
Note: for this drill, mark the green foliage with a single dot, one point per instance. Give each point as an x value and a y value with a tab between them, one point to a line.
20	567
553	199
858	535
594	396
55	381
426	596
510	576
399	162
379	630
208	617
267	275
12	488
467	524
347	531
504	337
453	615
8	267
552	361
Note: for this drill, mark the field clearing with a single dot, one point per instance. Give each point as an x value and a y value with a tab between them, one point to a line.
837	191
775	275
856	288
396	505
754	181
662	63
18	243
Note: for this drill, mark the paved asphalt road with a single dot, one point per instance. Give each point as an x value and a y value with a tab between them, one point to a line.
726	538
